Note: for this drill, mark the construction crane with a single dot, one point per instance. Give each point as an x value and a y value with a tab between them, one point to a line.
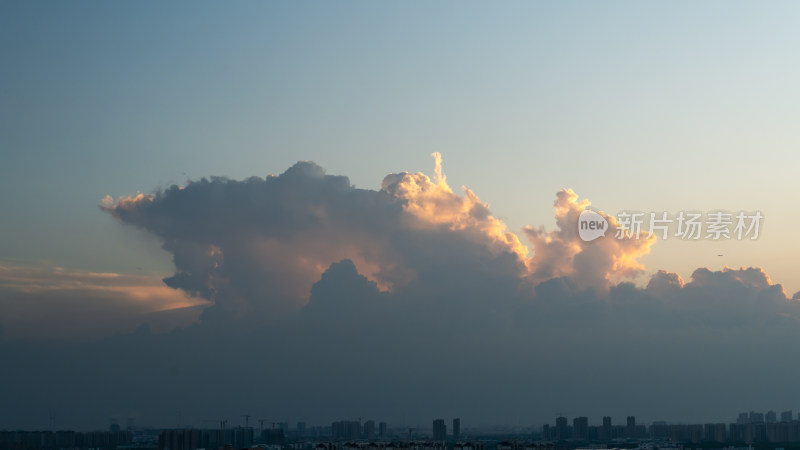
222	424
246	420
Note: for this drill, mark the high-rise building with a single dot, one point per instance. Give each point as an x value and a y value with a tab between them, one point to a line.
580	428
301	429
439	430
748	433
346	430
562	428
243	437
456	429
774	432
758	432
659	430
630	429
736	433
606	433
382	430
786	416
369	429
793	432
179	440
771	417
273	436
714	432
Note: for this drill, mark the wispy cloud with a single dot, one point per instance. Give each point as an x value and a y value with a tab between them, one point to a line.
60	303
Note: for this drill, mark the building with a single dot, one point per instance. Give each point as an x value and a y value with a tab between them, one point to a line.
237	437
179	440
546	435
456	429
274	436
793	431
759	432
606	431
383	431
736	431
439	430
50	440
630	429
346	430
369	429
715	432
562	428
659	430
580	428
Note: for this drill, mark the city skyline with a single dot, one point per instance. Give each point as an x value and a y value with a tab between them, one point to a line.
581	429
368	427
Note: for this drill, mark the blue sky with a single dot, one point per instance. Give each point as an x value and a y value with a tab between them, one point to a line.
638	106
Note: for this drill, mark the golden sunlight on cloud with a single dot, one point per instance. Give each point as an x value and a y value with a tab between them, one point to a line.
753	277
88	304
597	263
435	203
107	203
556	253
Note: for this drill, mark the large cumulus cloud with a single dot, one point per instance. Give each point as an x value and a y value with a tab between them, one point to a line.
255	247
336	302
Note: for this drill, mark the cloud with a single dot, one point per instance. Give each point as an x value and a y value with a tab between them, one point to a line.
336	302
435	204
596	264
66	304
255	247
726	298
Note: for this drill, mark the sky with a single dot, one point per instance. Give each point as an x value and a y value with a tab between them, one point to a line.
173	179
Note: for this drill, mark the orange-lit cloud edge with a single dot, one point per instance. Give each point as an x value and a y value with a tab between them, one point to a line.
55	302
